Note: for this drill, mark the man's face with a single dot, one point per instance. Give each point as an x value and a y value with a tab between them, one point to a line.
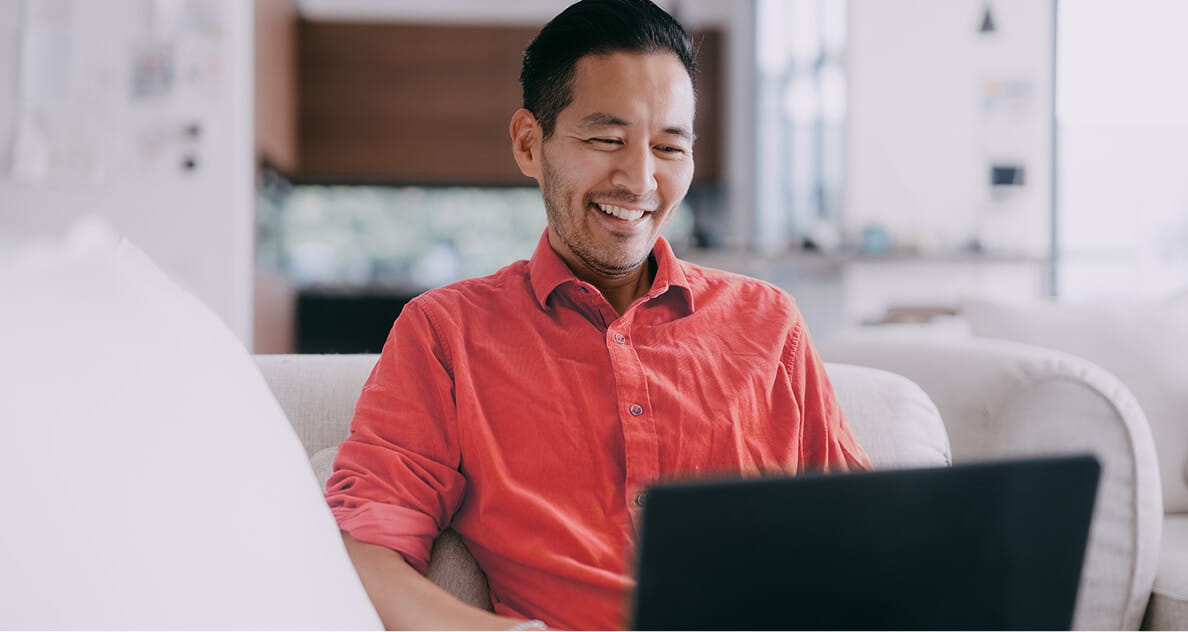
619	161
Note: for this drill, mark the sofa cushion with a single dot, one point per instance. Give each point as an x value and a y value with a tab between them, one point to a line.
892	418
1168	609
1143	344
151	479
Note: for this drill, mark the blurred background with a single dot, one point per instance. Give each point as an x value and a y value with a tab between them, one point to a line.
306	167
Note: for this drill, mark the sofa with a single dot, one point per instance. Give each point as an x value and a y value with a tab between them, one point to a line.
1140	344
1143	343
1005	400
1001	399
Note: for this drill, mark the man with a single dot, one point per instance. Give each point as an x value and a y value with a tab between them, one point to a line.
529	409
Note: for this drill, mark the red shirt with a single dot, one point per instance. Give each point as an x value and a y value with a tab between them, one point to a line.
527	414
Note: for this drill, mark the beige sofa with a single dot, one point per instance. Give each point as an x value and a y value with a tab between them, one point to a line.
1143	342
988	395
1003	399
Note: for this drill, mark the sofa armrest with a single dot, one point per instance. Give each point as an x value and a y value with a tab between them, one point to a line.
1002	400
893	419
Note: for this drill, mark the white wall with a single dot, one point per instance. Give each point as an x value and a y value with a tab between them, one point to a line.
1122	99
923	132
199	225
692	13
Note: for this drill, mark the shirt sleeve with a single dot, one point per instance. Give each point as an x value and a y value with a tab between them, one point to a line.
396	482
827	443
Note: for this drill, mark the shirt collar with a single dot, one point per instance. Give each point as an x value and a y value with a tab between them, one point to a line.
548	271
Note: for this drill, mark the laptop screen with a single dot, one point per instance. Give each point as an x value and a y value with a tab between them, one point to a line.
981	546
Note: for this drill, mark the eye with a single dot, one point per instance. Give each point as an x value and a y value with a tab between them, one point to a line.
605	141
673	151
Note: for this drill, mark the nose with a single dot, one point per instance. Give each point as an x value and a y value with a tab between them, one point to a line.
636	172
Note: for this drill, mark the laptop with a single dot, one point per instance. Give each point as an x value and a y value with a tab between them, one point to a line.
989	546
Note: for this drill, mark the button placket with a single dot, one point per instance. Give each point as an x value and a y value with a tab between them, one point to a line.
635	416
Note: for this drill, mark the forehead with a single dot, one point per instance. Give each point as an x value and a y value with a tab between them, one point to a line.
645	87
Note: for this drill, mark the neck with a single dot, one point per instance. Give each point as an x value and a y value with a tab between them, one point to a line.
620	290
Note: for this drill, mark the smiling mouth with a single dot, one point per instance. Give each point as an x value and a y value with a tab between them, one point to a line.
627	214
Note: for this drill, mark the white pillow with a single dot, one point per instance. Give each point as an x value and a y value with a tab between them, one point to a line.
150	479
1144	344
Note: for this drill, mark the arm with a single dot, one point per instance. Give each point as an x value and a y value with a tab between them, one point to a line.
396	481
406	600
827	443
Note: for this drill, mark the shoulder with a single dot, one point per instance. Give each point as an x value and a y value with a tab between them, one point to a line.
721	289
494	292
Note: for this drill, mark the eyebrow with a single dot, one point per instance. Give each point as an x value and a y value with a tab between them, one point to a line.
604	119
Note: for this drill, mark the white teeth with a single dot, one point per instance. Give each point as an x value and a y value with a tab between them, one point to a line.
621	213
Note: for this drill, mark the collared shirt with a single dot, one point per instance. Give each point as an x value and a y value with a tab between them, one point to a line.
522	410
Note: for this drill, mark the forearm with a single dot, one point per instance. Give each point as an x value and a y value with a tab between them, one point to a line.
406	600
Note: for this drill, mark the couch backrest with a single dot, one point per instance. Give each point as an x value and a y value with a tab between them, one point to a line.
1141	343
318	393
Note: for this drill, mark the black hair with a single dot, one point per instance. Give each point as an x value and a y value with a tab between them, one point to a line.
594	27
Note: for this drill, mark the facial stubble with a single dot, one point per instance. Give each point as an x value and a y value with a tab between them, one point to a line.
566	224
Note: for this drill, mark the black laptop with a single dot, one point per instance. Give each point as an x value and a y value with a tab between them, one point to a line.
990	546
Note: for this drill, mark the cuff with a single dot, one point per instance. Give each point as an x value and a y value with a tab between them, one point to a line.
406	531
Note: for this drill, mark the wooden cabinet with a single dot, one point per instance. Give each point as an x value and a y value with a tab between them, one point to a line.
430	104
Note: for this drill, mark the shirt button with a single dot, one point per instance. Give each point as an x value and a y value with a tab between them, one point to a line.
639	500
620	338
636	410
583	290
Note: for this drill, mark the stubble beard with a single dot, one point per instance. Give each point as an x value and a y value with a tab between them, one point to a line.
568	225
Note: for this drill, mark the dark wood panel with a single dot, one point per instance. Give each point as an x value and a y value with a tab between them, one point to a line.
431	103
276	82
708	45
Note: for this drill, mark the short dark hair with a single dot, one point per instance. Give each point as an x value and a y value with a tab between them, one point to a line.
594	27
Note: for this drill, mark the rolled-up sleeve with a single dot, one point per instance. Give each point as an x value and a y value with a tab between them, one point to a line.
396	482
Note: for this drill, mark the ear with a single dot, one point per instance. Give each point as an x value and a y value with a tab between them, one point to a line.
526	136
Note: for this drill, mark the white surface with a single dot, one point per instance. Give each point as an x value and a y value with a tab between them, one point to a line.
1122	100
152	480
920	136
1098	85
693	14
198	226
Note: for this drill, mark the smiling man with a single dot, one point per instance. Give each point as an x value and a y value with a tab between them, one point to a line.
528	410
613	165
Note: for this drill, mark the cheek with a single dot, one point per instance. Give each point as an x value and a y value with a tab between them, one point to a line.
677	178
580	174
593	173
